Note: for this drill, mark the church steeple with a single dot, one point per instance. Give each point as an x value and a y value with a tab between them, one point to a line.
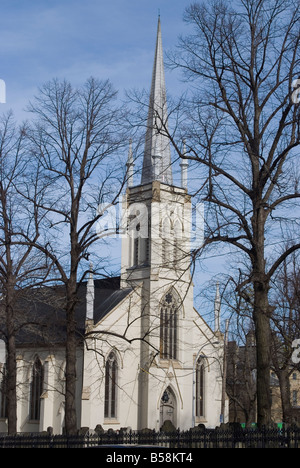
157	154
157	213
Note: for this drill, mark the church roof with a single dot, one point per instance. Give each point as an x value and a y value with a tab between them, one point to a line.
113	299
40	316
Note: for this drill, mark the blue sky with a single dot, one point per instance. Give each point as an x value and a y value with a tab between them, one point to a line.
75	39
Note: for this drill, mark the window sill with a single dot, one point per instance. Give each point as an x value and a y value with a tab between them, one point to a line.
139	266
200	420
165	363
111	421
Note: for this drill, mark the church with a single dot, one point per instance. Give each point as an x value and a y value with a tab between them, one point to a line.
148	356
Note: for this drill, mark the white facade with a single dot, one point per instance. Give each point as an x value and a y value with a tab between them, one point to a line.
150	357
51	401
144	373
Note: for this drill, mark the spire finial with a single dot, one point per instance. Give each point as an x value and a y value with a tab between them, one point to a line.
157	154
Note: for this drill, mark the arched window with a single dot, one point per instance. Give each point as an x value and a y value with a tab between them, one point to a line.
36	390
111	375
148	244
141	244
136	247
167	242
3	398
177	244
168	407
169	327
200	381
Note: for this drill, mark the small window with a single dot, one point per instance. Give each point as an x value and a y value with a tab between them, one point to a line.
295	398
136	244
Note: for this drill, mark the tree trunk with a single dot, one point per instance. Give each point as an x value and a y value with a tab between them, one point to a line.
263	353
261	314
70	397
11	366
71	344
11	386
284	383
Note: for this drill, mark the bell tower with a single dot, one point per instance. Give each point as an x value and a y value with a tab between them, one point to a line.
156	213
156	240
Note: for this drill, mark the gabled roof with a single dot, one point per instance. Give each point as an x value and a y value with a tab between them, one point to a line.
102	308
40	315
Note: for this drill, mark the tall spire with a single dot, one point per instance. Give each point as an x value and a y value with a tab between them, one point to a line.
157	154
130	165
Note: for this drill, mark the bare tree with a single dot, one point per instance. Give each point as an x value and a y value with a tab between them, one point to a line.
21	267
76	140
286	328
241	125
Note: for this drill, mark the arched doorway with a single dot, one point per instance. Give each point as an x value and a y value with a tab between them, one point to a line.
168	407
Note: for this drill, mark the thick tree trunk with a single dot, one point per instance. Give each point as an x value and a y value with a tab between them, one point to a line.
284	384
11	366
263	357
261	314
70	397
71	344
11	390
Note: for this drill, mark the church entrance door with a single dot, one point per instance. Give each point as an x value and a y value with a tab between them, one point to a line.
168	407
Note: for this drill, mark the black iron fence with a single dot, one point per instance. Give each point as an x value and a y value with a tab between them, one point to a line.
192	439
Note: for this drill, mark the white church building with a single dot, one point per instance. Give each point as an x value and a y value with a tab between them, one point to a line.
148	355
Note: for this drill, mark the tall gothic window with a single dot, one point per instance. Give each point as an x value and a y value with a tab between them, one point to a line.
3	399
36	390
136	252
177	243
169	328
200	375
147	241
141	245
111	375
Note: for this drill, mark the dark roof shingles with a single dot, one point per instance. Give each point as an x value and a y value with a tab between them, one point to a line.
42	319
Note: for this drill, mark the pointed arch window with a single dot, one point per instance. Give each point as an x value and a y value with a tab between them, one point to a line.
136	247
36	390
200	383
148	243
141	244
166	234
169	328
177	249
111	376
